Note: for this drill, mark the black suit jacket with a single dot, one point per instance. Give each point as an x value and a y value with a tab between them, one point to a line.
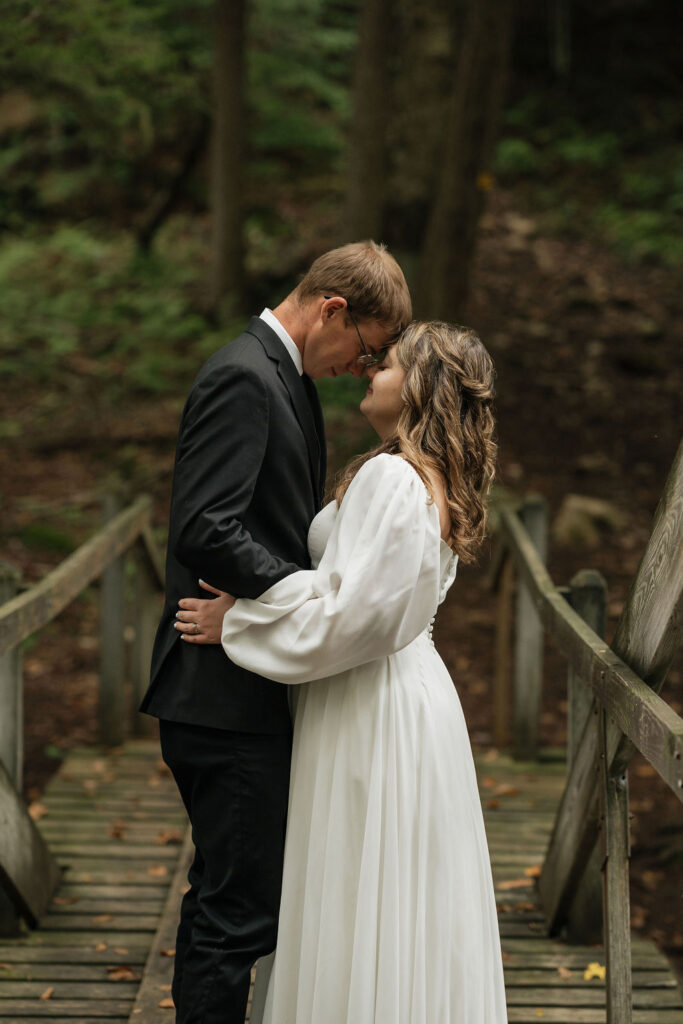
249	476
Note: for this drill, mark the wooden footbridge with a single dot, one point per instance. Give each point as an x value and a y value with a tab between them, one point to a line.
91	879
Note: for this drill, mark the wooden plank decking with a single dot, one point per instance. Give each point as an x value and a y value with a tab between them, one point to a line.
116	824
544	978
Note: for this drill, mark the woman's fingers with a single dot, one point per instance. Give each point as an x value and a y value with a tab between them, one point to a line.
187	626
212	590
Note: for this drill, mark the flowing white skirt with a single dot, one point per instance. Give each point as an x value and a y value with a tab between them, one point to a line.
388	913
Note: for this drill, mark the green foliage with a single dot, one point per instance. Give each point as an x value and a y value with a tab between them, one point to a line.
584	179
89	303
43	537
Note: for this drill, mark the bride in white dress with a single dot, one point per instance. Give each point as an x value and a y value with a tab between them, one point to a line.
388	913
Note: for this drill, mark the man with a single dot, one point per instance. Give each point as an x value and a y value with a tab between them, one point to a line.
249	477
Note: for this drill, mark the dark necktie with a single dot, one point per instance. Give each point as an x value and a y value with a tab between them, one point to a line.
314	401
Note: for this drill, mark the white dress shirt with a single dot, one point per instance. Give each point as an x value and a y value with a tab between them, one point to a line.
269	317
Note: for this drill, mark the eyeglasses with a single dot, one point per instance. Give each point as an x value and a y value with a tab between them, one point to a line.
367	358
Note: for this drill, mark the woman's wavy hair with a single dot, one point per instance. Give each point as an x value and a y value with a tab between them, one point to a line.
446	425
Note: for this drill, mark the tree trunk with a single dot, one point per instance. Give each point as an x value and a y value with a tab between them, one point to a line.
469	137
367	144
227	154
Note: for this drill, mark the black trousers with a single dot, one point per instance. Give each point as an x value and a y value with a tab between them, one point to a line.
235	787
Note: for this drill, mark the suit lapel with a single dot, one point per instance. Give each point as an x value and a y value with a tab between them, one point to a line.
301	404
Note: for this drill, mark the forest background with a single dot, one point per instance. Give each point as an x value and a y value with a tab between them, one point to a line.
168	168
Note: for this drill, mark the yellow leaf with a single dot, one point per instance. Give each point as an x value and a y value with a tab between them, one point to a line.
594	970
47	994
533	871
37	810
167	1003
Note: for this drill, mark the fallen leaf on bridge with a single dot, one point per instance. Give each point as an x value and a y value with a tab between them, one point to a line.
100	947
534	871
167	952
65	900
117	830
102	918
169	836
122	973
506	790
121	951
488	782
47	994
595	970
167	1003
564	972
37	810
157	871
514	883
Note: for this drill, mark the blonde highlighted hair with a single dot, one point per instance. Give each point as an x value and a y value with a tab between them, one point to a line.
446	425
368	277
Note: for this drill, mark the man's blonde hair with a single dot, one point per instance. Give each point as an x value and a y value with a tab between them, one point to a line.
368	277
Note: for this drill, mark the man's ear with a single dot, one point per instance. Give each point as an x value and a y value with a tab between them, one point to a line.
332	304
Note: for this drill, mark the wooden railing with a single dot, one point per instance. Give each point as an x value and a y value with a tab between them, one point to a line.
613	708
28	872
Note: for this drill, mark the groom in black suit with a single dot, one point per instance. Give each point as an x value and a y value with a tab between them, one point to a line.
249	477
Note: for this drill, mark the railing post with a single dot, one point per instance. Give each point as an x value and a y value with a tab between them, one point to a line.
11	691
111	704
588	597
529	644
503	667
146	619
11	726
615	868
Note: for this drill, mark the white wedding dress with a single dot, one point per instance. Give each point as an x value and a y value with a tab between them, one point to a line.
387	914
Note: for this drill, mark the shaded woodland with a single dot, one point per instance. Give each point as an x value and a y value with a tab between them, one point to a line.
167	168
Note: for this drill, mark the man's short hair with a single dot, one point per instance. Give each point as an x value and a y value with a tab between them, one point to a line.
368	277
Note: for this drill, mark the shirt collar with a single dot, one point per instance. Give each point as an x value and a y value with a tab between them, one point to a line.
269	317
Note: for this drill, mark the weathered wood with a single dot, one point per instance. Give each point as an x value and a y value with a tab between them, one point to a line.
108	922
40	604
159	969
11	690
149	550
51	955
650	629
503	667
589	995
630	702
616	901
82	1009
534	976
111	707
66	990
147	614
28	872
649	722
588	597
11	727
528	657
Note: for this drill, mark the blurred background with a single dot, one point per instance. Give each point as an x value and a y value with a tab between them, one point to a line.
167	169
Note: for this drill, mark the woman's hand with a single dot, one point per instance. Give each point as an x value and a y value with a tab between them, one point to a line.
201	621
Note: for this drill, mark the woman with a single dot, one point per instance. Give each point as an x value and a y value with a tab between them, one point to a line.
387	913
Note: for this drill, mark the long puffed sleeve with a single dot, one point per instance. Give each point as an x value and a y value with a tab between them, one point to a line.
374	591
